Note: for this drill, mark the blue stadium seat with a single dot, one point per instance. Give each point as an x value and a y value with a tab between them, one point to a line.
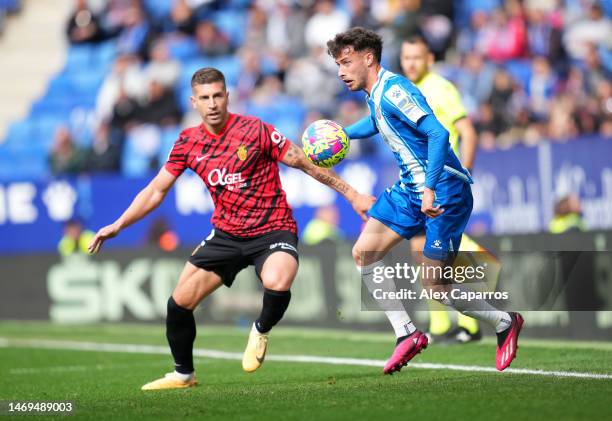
183	95
520	70
46	125
268	66
190	67
230	66
19	131
290	129
134	165
79	57
184	49
54	106
232	24
104	55
136	158
168	137
158	8
84	82
23	166
239	4
466	8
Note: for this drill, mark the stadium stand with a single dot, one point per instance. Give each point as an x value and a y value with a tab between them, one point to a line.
517	91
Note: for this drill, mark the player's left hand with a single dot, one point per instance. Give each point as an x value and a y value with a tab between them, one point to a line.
362	203
102	235
427	206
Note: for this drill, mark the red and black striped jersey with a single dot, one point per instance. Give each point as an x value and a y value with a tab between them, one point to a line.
240	168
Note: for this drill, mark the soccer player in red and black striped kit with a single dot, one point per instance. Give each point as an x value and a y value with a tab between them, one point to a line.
237	158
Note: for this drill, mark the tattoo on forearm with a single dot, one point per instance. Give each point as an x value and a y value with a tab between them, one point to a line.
331	179
294	157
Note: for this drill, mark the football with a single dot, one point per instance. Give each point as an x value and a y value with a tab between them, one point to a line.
325	143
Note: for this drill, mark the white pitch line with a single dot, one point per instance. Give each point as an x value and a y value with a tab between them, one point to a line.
209	353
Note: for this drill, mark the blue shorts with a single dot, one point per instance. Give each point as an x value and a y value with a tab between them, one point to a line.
400	210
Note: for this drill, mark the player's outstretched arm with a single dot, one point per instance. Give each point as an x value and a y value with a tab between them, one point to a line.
361	129
294	157
147	200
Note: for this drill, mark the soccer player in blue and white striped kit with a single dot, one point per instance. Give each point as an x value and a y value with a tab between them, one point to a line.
433	191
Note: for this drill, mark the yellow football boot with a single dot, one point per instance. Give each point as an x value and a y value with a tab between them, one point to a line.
170	381
255	351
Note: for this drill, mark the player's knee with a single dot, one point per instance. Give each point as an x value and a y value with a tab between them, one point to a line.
182	301
277	280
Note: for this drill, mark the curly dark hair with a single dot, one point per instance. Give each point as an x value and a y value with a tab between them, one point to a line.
360	39
207	75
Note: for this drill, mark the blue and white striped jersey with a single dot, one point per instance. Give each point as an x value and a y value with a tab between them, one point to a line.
400	113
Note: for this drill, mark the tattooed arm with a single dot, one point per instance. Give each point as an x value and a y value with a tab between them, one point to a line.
294	157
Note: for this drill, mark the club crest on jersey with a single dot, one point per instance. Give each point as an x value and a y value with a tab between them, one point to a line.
242	152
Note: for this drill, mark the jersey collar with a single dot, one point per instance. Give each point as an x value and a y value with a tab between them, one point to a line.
379	78
423	80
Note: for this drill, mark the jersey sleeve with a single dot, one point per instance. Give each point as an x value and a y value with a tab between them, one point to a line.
177	159
405	105
437	148
362	129
273	143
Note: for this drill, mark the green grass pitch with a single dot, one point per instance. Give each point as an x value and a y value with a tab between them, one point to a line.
106	385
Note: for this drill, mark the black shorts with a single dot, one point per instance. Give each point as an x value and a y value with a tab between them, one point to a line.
226	255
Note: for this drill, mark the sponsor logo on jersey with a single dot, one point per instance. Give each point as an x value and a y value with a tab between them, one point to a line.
221	177
277	138
242	152
437	244
402	100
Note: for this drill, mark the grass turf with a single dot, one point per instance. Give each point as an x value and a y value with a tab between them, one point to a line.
107	385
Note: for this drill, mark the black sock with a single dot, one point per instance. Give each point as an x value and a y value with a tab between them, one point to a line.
274	305
181	332
401	339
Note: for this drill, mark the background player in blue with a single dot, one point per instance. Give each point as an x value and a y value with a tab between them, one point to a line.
433	191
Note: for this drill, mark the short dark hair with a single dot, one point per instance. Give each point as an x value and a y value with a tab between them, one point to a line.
360	39
207	75
417	39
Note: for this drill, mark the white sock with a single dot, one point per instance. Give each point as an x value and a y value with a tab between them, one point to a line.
481	310
399	319
184	377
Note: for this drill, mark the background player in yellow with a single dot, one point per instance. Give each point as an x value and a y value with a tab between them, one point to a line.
416	60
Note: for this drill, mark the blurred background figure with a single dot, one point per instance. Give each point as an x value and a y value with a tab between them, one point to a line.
568	216
161	236
325	23
76	238
323	226
66	157
104	155
84	25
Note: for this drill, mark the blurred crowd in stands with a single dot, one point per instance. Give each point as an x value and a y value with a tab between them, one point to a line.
527	70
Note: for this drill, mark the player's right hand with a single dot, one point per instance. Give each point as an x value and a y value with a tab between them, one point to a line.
102	235
362	204
427	205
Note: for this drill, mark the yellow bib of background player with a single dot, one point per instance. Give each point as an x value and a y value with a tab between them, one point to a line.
444	100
